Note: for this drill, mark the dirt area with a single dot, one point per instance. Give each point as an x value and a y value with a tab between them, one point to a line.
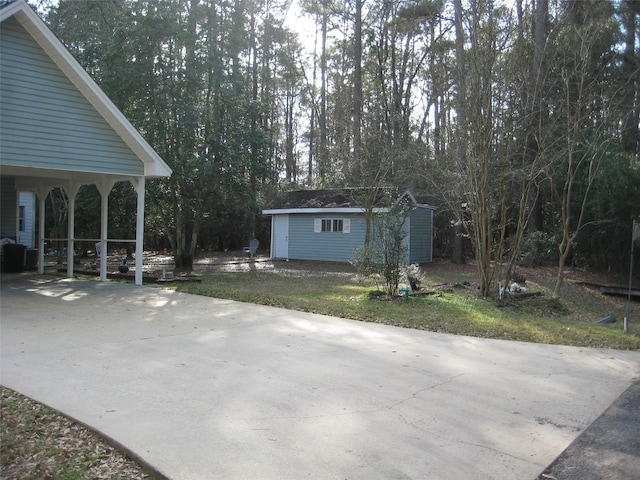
237	262
158	266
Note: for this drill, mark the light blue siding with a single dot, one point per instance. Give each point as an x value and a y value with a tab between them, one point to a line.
305	244
421	235
45	121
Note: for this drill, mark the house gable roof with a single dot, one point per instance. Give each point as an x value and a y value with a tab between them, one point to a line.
340	200
153	165
328	198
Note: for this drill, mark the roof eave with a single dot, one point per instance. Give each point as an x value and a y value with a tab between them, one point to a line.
319	210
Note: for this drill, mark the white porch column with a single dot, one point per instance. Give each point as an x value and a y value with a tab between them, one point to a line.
42	192
104	187
72	190
17	224
139	186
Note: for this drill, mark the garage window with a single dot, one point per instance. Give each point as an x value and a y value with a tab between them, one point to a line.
332	225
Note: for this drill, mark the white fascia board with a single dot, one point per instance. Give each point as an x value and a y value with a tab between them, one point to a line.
425	205
154	166
32	184
319	211
9	10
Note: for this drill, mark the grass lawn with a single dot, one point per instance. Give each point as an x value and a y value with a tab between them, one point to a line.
455	307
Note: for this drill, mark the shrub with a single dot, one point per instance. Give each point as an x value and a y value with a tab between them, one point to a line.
383	258
539	248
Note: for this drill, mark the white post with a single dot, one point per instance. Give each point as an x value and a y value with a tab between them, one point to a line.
17	224
104	187
71	190
104	234
42	193
139	185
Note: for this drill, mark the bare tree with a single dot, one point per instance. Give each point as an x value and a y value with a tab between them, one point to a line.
580	118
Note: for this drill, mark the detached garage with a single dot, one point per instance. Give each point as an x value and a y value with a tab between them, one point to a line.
328	225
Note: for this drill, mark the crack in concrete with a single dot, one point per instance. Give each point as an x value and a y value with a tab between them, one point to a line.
418	392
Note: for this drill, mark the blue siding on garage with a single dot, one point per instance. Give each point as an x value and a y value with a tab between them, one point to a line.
421	236
305	244
46	122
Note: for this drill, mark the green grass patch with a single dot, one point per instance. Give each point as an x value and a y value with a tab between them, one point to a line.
540	319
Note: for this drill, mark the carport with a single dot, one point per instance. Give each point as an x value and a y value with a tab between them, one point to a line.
59	129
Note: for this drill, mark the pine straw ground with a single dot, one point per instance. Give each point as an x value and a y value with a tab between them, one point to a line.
39	443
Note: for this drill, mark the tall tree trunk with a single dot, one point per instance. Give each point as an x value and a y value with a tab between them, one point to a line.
457	255
357	91
313	112
534	99
323	161
582	154
630	10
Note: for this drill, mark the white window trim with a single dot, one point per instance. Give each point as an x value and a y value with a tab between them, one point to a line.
317	225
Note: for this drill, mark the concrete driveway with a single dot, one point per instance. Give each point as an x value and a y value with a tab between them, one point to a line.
213	389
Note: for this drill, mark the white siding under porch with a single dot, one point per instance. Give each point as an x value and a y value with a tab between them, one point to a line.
27	220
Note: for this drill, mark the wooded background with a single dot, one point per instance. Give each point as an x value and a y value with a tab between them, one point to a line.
519	120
